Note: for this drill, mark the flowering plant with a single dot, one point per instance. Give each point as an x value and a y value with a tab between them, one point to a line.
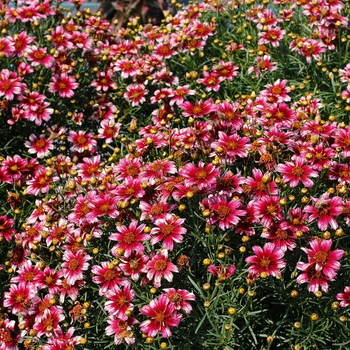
180	186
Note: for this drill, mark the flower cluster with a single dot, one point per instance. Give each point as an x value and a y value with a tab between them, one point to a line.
165	182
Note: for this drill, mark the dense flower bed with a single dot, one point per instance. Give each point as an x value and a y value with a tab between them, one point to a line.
176	187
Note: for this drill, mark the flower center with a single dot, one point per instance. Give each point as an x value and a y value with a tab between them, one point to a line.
276	90
320	257
222	211
109	275
29	276
281	234
73	264
167	229
156	210
297	171
265	262
131	170
129	238
40	143
271	209
159	317
201	175
81	140
160	265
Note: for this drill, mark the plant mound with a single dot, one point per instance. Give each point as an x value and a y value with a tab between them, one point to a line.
182	186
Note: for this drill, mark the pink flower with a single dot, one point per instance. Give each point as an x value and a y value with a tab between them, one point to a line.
129	238
38	55
134	265
198	110
119	301
74	264
283	237
267	260
10	84
222	273
82	141
321	266
179	298
108	276
160	266
129	188
7	230
268	210
64	85
49	322
344	297
202	176
272	36
121	330
296	171
211	81
169	230
324	210
19	297
162	316
40	146
135	94
260	184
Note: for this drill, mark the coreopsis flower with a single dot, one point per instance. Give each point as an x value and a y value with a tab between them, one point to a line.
157	170
63	84
264	64
231	146
271	36
40	183
227	212
102	204
165	49
103	81
160	267
297	171
211	81
128	166
168	230
153	210
9	338
177	96
345	74
321	266
199	109
18	297
107	275
230	113
129	238
82	141
26	273
266	261
74	264
203	176
135	93
47	278
129	188
162	316
277	92
179	298
38	55
342	140
134	265
282	236
260	184
6	47
62	340
246	224
49	322
7	230
21	42
221	272
297	220
127	67
40	146
15	166
344	298
119	301
10	84
268	210
121	330
324	210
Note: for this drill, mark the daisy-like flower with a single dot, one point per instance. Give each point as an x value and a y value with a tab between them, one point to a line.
178	94
18	297
162	316
211	81
38	55
223	210
266	261
297	220
277	92
324	210
40	146
283	238
264	64
198	110
6	47
268	210
232	146
160	266
168	230
221	272
297	171
104	81
135	93
6	228
63	84
74	264
129	238
40	182
272	36
344	298
119	301
121	330
157	170
134	265
82	141
108	130
62	340
47	278
129	188
9	337
260	184
202	176
10	84
321	266
108	276
102	204
127	67
26	273
49	323
179	298
128	166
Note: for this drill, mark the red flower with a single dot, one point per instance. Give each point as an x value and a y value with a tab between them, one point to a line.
324	210
169	230
121	329
160	266
222	272
129	238
6	228
19	297
119	301
74	265
344	297
268	210
178	297
63	84
162	315
267	260
321	266
198	110
202	176
296	171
